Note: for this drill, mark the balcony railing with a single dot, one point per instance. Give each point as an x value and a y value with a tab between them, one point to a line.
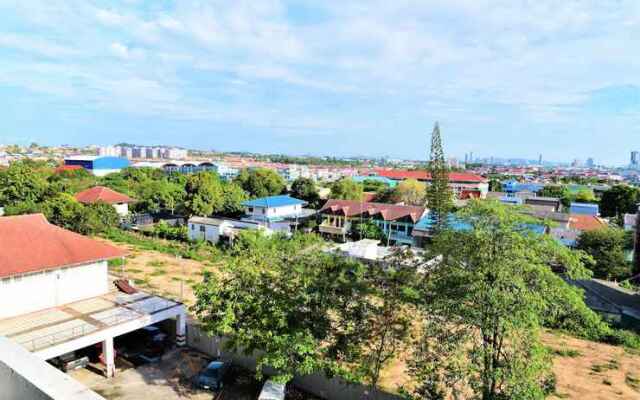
333	230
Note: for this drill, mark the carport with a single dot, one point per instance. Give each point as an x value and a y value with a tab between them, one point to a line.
60	330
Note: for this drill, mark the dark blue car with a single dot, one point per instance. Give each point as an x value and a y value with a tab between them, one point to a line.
211	377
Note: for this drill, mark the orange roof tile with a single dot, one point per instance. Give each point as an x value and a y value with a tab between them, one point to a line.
102	194
30	243
585	222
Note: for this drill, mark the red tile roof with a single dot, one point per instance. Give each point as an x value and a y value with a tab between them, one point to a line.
388	212
585	222
425	176
102	194
63	168
30	243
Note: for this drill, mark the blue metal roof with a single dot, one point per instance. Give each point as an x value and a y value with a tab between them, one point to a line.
389	182
273	201
584	209
514	187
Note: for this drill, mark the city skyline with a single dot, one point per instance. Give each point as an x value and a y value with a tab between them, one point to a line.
344	79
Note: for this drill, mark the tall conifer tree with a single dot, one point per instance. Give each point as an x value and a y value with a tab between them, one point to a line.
439	194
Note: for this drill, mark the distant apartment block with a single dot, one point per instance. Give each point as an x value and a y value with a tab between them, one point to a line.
144	152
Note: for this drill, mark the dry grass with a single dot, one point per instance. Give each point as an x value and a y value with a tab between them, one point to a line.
163	274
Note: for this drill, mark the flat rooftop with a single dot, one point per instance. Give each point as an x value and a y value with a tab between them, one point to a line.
41	330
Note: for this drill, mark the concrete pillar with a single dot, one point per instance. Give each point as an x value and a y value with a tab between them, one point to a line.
109	357
181	329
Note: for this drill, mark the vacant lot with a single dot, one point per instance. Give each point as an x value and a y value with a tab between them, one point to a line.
585	370
162	273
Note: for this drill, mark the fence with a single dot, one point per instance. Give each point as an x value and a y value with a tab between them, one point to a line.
316	384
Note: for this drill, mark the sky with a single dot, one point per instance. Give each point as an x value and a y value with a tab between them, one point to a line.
508	78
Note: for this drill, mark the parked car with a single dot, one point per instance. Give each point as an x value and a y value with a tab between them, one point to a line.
212	376
272	391
142	346
70	361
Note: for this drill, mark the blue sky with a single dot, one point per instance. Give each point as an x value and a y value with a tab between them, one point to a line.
504	77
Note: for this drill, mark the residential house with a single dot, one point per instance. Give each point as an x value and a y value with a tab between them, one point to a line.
215	230
544	203
273	208
630	222
102	194
57	296
464	185
396	221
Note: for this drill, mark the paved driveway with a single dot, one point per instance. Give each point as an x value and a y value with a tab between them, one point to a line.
168	379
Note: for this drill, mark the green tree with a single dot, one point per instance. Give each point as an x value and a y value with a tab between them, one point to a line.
484	304
260	182
585	195
204	194
439	194
388	314
64	211
619	200
557	191
411	192
290	305
346	189
97	218
157	195
234	196
305	189
22	182
367	230
607	247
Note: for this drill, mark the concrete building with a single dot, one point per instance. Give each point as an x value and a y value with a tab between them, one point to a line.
61	300
101	194
108	151
273	208
98	165
214	230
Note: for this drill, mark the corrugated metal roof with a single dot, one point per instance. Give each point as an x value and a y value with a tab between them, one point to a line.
273	201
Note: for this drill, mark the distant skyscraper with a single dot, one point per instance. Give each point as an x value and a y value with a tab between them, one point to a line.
540	160
471	157
635	158
590	163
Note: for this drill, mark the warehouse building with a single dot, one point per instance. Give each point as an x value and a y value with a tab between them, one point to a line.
98	165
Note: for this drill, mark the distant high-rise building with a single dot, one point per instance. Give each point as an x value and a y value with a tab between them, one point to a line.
635	158
540	160
590	163
471	157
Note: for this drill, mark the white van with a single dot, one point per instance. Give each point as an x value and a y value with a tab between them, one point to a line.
272	391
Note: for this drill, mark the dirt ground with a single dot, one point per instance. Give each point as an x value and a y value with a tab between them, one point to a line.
162	273
584	370
593	371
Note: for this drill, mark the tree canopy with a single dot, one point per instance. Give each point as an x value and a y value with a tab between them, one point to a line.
619	200
346	189
439	194
305	189
260	182
484	304
607	247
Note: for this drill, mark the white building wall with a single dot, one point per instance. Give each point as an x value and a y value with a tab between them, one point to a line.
271	212
42	290
122	209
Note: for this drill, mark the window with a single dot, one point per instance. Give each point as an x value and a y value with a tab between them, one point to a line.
264	211
250	209
202	228
193	227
